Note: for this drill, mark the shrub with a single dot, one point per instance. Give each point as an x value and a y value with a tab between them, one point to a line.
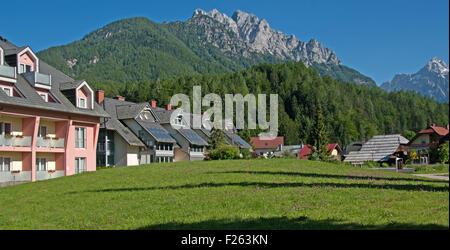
246	154
443	152
224	153
288	154
384	165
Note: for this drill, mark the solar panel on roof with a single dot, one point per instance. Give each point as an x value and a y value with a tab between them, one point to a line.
241	141
160	134
193	137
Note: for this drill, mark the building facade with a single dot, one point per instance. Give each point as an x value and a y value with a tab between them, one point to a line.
49	122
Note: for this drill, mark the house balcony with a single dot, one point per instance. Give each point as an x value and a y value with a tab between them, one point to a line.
47	142
39	80
15	141
8	73
164	153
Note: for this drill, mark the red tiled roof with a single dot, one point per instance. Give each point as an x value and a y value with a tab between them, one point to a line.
267	144
434	129
307	150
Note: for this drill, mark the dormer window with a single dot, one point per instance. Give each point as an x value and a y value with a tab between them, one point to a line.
82	102
178	120
44	97
7	90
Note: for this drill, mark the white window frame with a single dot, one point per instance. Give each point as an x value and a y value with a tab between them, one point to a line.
3	130
41	164
84	101
80	138
44	96
9	89
40	130
3	165
80	165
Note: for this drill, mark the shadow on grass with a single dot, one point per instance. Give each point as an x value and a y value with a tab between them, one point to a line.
408	187
348	177
284	223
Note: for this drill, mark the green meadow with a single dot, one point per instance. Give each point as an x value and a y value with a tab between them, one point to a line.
239	194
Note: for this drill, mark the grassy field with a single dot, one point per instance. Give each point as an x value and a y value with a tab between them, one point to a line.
429	169
247	194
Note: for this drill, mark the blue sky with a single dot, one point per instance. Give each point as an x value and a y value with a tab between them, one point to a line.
378	38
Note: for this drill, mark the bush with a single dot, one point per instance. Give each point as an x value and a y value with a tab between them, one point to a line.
288	154
246	154
384	165
224	153
443	153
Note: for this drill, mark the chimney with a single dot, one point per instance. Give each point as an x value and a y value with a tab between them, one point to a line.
99	96
153	103
169	107
120	98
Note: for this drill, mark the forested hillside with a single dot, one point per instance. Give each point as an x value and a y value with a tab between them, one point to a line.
351	112
136	49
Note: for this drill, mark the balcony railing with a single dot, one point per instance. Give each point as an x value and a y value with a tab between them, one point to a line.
7	71
44	142
15	141
38	79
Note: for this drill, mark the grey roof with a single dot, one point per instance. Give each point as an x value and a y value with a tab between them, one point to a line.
114	124
379	148
163	115
129	110
31	98
70	85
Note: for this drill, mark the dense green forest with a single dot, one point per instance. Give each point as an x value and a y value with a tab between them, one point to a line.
137	49
351	112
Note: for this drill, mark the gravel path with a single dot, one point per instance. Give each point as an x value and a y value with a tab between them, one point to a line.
434	176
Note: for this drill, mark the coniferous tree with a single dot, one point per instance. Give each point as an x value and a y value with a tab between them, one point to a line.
319	134
217	138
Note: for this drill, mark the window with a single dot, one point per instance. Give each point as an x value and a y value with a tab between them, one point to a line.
7	91
5	164
22	68
41	164
5	128
178	120
44	96
42	131
80	137
80	165
82	102
27	68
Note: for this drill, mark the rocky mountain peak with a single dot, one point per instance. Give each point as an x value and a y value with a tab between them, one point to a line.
432	81
256	35
437	66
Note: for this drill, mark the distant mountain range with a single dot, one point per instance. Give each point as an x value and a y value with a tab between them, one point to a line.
431	81
137	49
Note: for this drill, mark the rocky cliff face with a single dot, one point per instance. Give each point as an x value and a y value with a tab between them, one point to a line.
245	33
431	81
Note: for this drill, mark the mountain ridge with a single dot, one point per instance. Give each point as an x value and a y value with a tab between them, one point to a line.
431	81
135	49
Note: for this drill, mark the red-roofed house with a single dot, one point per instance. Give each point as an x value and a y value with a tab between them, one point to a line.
333	149
427	139
262	146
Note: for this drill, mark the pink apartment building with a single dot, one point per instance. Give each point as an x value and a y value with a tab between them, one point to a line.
49	122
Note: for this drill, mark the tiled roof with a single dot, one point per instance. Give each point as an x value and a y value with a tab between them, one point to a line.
31	98
307	150
113	123
379	148
259	143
